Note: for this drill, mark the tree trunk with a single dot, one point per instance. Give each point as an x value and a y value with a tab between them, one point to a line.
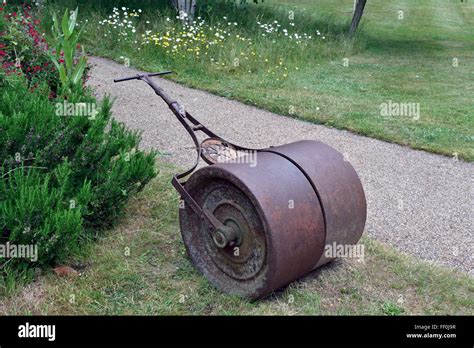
186	8
359	10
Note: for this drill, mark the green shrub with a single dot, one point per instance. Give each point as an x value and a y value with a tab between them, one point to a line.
34	213
62	177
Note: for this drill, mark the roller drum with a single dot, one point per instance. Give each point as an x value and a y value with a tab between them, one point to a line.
295	200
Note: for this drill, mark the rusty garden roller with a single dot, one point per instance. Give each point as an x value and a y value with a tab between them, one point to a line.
254	220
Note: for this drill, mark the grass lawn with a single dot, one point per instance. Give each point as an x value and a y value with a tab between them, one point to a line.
425	58
141	268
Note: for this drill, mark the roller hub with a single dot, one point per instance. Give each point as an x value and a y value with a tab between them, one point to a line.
241	252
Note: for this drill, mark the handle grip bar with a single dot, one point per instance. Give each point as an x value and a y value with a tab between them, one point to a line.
139	76
158	90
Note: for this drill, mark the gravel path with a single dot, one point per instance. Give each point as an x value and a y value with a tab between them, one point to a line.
418	202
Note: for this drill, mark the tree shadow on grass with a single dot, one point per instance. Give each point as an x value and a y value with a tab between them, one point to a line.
248	14
396	47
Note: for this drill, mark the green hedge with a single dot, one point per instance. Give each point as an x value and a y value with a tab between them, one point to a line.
62	178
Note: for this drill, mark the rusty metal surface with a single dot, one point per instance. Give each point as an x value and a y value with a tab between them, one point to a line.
280	216
338	188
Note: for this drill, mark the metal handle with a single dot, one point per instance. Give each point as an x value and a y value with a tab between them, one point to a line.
222	235
139	76
158	90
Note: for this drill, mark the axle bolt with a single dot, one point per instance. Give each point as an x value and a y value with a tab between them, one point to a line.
224	236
